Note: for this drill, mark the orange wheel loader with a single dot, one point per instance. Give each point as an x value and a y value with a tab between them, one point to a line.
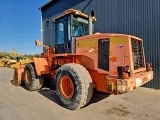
82	61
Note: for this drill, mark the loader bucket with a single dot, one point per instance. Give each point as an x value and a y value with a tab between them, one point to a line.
18	77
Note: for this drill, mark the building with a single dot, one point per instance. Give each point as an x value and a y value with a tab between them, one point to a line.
140	18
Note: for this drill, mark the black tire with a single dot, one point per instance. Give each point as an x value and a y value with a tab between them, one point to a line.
31	80
82	82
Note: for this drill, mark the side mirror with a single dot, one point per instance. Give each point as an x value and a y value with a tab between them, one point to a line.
38	43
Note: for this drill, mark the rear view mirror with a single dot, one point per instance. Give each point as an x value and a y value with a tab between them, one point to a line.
38	43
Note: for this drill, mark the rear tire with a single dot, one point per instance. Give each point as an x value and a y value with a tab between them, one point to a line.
31	80
73	86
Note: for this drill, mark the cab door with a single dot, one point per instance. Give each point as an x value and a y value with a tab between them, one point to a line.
62	42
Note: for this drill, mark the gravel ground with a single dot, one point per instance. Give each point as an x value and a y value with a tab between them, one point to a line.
16	103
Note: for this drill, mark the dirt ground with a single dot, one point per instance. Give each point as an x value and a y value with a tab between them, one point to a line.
16	103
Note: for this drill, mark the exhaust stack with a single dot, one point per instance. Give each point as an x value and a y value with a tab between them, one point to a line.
90	21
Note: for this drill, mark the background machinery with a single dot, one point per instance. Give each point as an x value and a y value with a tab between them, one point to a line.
81	61
9	59
13	59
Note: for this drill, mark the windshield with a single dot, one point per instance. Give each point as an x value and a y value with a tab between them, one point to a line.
80	26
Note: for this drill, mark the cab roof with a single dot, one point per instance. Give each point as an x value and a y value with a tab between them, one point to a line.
73	11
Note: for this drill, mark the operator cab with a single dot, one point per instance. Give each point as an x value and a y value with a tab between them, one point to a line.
68	27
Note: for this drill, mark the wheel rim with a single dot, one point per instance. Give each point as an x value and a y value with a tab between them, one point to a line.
66	87
28	76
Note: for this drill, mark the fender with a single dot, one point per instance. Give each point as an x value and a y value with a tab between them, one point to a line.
41	66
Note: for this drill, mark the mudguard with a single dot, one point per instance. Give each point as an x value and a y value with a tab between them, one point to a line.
41	66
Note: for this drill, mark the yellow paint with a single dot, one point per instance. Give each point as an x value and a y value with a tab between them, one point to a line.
87	43
118	40
110	53
93	42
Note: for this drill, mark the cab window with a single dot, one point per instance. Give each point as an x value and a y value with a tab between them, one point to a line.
79	26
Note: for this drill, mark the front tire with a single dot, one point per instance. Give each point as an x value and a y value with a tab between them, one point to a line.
31	80
73	86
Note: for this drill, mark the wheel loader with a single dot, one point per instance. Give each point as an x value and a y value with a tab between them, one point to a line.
82	61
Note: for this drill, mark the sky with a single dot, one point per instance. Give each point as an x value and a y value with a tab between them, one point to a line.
20	25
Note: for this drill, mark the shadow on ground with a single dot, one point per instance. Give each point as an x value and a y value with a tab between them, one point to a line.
48	92
51	95
98	96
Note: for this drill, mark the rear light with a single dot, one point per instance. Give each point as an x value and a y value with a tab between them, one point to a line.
111	86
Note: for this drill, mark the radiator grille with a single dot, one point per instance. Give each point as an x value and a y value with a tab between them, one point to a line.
137	53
